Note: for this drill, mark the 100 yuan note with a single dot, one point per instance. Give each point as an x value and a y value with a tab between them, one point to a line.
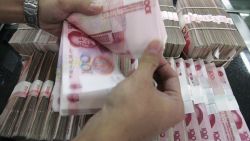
89	72
124	26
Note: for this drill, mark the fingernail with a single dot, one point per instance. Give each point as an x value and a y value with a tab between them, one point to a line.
95	7
155	47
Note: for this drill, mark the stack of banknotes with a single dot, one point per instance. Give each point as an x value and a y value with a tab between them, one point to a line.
124	27
26	40
211	110
175	41
29	113
209	31
57	92
89	72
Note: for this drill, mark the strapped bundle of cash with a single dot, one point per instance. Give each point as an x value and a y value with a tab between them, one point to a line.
33	117
24	121
40	111
26	40
89	72
209	31
211	110
17	99
175	41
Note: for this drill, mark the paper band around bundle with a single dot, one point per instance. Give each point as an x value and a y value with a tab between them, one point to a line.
169	6
167	15
21	89
173	27
172	57
189	107
193	17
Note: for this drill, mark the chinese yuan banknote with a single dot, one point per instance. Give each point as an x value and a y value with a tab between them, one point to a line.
199	102
180	69
191	122
89	72
212	112
222	104
180	132
124	26
192	125
234	107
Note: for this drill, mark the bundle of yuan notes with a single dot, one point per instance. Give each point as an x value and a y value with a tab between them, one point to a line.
25	119
40	123
175	41
89	72
124	27
17	99
211	110
209	31
26	40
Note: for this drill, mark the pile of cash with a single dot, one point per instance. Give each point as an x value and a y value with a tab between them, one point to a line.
29	113
175	41
211	110
17	99
26	40
89	72
58	92
124	27
209	31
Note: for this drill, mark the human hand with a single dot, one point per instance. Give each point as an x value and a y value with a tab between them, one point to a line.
136	110
52	13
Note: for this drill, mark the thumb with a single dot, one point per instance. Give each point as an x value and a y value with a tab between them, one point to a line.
151	59
87	7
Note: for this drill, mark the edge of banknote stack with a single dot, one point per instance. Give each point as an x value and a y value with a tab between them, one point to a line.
175	42
209	31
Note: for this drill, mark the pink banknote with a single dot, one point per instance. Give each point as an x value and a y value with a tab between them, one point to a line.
124	27
89	72
212	112
221	104
199	103
233	106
